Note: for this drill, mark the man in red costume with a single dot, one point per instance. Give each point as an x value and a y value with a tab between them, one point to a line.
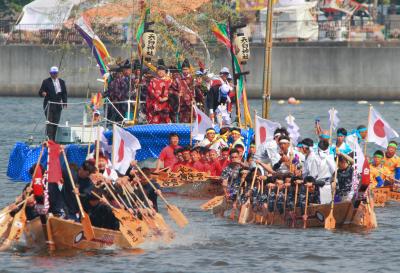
157	107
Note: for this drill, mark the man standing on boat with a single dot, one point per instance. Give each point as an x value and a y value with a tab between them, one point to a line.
157	107
53	90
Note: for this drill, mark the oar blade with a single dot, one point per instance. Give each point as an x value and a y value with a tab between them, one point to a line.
5	225
330	222
244	213
88	231
129	232
212	203
176	214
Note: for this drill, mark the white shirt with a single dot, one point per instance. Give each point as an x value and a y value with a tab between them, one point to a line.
57	85
269	150
110	174
217	145
327	165
311	165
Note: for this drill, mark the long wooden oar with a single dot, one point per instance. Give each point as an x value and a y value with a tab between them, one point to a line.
148	216
156	216
294	216
284	204
275	203
173	211
128	227
305	216
245	209
265	221
19	221
330	221
85	219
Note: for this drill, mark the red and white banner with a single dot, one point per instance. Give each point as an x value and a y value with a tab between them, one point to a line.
365	175
201	124
264	130
53	164
379	131
125	145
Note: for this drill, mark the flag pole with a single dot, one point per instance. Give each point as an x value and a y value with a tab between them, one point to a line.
255	127
267	78
97	146
332	110
113	148
369	121
191	124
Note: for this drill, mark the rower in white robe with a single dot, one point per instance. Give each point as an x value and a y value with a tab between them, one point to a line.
326	169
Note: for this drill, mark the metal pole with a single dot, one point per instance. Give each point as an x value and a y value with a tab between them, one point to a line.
267	62
233	69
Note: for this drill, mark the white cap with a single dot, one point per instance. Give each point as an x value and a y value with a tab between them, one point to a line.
224	70
96	112
54	69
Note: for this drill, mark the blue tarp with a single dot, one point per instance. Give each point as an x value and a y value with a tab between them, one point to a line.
152	138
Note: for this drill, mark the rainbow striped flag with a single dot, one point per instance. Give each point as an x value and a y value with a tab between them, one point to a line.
220	31
140	28
97	47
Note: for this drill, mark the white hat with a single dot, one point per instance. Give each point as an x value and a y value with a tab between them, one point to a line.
96	112
54	69
224	70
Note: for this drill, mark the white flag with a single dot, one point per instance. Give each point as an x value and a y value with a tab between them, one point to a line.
352	141
379	131
201	124
333	118
264	130
293	129
125	145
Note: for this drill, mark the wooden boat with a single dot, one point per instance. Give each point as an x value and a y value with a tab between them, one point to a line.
66	234
383	195
189	182
346	216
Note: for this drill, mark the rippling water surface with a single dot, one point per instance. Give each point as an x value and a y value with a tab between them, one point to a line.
209	244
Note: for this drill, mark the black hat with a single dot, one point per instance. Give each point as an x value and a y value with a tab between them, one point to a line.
173	69
126	64
114	68
136	64
161	65
185	63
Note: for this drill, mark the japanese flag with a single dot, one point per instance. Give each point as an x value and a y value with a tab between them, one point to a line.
379	131
201	124
264	130
124	149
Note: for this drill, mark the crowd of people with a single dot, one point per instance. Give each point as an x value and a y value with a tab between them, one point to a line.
283	169
99	189
167	94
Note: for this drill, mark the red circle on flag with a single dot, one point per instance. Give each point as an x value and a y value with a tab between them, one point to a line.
263	134
379	128
198	118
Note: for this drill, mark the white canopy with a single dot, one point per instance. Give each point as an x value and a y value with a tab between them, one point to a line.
293	19
45	14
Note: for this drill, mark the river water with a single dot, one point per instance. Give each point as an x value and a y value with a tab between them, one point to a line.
209	244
